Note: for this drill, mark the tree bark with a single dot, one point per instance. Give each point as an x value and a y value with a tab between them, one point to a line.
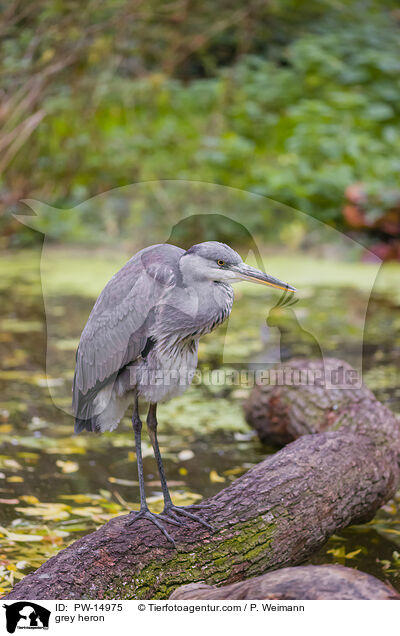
309	582
281	414
276	515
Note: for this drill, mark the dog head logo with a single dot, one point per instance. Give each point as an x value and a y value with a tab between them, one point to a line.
26	615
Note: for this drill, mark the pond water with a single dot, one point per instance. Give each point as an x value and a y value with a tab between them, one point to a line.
55	487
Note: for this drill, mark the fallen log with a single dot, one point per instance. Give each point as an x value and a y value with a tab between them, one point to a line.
276	515
281	414
308	582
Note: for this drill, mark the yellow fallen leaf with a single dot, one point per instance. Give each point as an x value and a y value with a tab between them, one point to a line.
391	531
67	466
337	552
15	479
77	498
30	499
186	498
215	478
11	567
340	553
27	455
234	471
183	471
350	555
9	462
13	536
122	482
65	449
87	511
47	511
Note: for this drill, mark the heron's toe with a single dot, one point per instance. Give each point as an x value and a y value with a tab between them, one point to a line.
154	518
136	514
186	513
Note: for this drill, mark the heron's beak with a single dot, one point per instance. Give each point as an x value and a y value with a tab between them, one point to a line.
246	272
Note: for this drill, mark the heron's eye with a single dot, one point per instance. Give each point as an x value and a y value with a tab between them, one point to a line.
221	262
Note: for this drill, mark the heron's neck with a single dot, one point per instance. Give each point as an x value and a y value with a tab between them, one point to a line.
190	274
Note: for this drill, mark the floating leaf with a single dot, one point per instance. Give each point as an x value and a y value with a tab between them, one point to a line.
67	466
9	462
185	455
47	511
77	528
234	471
22	565
14	536
391	531
215	478
87	511
78	498
340	553
28	455
122	482
185	498
351	555
30	499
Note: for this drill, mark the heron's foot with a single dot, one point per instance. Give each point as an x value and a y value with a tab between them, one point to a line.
173	512
145	513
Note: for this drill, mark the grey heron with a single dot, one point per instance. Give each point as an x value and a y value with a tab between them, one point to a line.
141	341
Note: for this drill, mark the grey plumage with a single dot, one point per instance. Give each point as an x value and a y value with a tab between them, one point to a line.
141	340
147	321
146	308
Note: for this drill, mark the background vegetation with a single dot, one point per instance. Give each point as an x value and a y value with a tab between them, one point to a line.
295	100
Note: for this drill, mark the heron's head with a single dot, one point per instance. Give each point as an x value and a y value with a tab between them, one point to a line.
218	262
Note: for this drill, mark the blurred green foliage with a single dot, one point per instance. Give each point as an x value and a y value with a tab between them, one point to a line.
292	100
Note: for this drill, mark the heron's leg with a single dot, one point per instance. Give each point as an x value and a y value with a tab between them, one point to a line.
169	508
152	428
144	512
137	428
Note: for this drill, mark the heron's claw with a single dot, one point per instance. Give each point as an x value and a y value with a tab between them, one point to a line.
154	518
182	511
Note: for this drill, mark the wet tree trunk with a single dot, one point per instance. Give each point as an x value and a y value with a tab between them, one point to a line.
309	582
276	515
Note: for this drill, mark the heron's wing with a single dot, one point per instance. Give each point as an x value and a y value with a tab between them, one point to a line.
118	326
